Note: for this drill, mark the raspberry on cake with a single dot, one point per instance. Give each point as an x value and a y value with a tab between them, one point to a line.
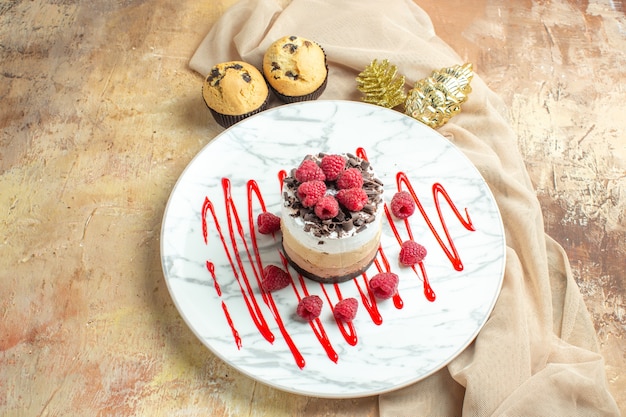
330	234
350	178
311	192
327	207
309	171
354	199
332	166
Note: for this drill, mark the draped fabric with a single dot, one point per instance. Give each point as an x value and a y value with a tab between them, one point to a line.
537	354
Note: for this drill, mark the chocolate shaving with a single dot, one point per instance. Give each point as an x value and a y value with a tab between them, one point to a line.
345	221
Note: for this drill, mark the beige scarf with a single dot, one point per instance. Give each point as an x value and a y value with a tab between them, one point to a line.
537	354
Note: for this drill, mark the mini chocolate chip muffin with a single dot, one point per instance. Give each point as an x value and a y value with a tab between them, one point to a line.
295	69
233	91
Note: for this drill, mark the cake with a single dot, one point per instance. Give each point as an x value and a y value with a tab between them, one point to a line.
233	91
295	69
338	248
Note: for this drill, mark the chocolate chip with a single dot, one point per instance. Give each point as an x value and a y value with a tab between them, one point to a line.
246	77
291	75
275	66
215	73
293	38
290	47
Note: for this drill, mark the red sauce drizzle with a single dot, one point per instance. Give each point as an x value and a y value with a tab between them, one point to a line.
347	329
253	189
451	252
368	300
316	325
397	299
428	291
282	174
248	297
211	268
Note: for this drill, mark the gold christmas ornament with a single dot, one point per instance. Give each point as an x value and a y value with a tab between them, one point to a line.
380	86
436	99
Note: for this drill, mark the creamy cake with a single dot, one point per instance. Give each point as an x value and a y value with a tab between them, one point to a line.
339	248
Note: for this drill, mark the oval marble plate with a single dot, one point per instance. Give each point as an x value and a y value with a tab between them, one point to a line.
212	256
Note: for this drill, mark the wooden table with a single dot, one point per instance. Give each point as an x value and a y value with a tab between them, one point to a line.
99	114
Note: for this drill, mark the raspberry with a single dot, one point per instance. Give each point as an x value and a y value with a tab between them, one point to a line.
268	223
309	308
310	192
274	278
327	207
309	171
332	165
402	205
354	199
350	178
346	309
384	285
412	253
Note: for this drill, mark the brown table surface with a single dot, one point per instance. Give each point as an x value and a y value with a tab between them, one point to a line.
99	114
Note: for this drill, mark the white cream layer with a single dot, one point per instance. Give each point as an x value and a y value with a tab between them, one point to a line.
334	243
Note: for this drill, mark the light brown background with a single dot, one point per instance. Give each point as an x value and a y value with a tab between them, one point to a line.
99	114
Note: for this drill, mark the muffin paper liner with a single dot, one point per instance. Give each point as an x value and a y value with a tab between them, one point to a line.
227	120
307	97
